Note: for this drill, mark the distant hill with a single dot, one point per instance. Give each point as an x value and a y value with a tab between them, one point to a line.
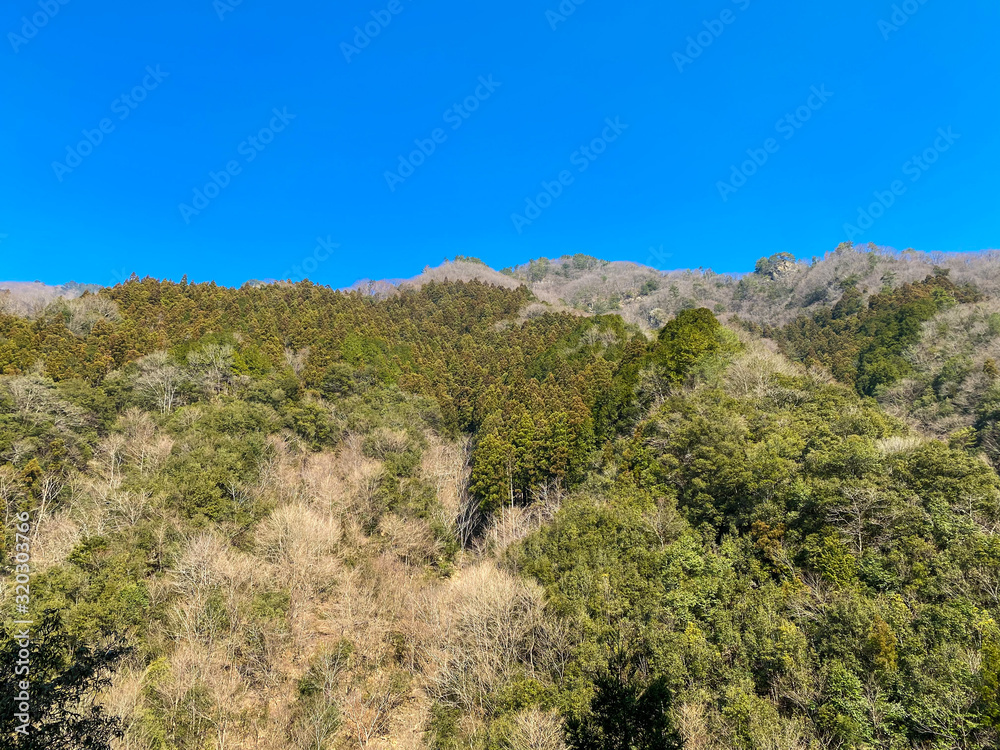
778	290
31	297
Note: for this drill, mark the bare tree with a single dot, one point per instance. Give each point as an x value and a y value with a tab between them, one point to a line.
693	727
213	365
297	359
538	730
494	628
317	721
10	492
368	708
83	313
161	380
861	518
49	488
469	521
130	506
36	400
109	460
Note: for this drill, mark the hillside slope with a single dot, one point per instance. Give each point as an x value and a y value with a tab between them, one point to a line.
323	520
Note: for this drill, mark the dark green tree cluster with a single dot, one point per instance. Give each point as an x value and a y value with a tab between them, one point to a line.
863	344
783	564
64	677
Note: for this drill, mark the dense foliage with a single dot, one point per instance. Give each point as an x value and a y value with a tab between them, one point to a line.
863	344
455	518
65	677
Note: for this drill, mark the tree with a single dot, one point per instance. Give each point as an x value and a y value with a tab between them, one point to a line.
989	687
628	711
64	680
685	341
492	479
161	380
214	365
775	265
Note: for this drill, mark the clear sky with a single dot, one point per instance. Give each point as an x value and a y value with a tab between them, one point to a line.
224	140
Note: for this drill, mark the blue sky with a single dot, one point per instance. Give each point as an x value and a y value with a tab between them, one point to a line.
738	128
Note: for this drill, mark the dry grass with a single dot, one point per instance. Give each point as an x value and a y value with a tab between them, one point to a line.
892	446
228	675
413	637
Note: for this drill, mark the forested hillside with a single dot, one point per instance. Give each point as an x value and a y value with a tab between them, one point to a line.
693	511
778	290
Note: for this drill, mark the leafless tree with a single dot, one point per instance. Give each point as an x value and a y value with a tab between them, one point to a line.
538	730
82	313
10	491
213	366
692	725
297	360
861	518
49	488
369	707
317	721
130	506
161	380
37	400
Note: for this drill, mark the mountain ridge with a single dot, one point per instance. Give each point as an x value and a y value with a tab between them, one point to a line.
777	289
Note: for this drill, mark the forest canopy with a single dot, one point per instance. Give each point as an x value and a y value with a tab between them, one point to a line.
458	517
